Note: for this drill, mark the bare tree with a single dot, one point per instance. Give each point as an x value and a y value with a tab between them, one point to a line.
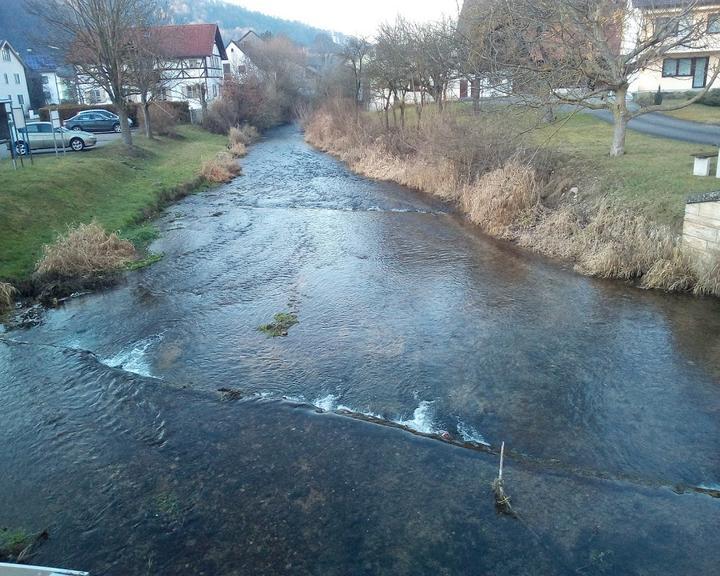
587	52
436	50
98	34
146	70
355	52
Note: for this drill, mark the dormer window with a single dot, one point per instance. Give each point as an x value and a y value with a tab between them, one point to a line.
6	54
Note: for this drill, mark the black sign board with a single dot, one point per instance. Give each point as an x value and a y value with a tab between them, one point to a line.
4	127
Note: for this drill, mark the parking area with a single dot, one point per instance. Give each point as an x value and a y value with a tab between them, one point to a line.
103	139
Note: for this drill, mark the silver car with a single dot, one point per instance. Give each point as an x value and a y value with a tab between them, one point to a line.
40	136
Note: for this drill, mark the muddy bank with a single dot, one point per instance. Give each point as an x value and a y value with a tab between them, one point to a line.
518	194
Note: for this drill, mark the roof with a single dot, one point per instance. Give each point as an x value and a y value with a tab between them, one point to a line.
41	62
190	40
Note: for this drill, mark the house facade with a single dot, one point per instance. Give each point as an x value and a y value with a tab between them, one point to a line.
13	80
683	68
191	57
238	63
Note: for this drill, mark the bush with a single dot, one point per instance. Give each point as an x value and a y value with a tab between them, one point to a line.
164	118
222	168
245	134
251	101
712	98
84	252
7	296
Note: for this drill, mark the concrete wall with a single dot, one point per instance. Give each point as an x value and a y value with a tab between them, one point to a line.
701	228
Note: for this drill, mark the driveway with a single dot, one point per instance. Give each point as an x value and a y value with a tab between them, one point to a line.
103	139
656	124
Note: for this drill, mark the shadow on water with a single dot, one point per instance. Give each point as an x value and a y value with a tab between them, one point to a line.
606	396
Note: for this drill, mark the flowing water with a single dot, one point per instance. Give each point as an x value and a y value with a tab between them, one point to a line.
412	326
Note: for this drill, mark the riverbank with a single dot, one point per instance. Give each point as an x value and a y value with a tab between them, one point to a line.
117	189
549	188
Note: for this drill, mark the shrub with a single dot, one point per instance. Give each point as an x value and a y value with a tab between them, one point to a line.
222	168
7	296
502	198
84	252
711	98
238	150
245	134
164	118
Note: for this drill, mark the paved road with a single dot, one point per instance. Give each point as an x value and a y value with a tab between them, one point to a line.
665	126
103	139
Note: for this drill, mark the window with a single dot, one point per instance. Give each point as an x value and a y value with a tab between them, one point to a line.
31	128
666	26
45	80
21	100
685	68
44	128
17	78
713	26
226	68
7	80
215	92
6	54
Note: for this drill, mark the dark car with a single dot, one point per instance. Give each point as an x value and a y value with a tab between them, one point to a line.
95	121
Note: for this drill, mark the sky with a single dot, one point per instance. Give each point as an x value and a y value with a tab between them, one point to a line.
355	17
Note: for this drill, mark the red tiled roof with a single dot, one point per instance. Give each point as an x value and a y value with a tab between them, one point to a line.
189	40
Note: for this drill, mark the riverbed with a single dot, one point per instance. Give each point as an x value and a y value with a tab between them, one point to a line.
364	442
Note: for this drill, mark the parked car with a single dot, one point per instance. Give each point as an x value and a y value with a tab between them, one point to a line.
40	136
95	121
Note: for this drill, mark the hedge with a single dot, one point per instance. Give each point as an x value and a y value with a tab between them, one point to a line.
181	110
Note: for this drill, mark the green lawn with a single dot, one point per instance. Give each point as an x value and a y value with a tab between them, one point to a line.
116	189
655	174
696	113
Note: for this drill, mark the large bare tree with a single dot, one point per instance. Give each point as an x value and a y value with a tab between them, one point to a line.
356	52
98	35
585	52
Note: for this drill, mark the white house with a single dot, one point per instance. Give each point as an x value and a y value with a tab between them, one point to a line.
684	68
54	86
13	82
192	70
238	63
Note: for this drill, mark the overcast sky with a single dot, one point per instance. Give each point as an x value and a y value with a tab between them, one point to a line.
358	17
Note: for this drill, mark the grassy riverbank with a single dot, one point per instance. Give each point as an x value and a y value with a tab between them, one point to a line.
117	189
551	188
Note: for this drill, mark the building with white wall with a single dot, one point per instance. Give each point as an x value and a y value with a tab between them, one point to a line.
683	68
13	80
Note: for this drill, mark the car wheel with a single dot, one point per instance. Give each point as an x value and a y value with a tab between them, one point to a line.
76	128
116	128
77	144
20	148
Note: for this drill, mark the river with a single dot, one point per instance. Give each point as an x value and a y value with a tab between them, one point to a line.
328	458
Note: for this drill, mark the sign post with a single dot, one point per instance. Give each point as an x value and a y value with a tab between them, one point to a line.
6	130
19	122
55	121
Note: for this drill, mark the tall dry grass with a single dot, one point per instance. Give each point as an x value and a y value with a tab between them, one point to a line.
84	252
7	296
222	168
500	184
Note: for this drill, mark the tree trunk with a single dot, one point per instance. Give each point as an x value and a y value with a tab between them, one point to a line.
124	124
549	114
146	117
621	117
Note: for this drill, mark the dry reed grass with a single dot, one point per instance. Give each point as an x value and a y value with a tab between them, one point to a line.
7	296
83	252
245	134
238	150
500	188
222	168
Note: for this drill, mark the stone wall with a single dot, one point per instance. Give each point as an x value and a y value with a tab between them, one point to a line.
701	227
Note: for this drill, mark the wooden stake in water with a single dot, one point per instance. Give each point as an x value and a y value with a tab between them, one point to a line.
502	500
